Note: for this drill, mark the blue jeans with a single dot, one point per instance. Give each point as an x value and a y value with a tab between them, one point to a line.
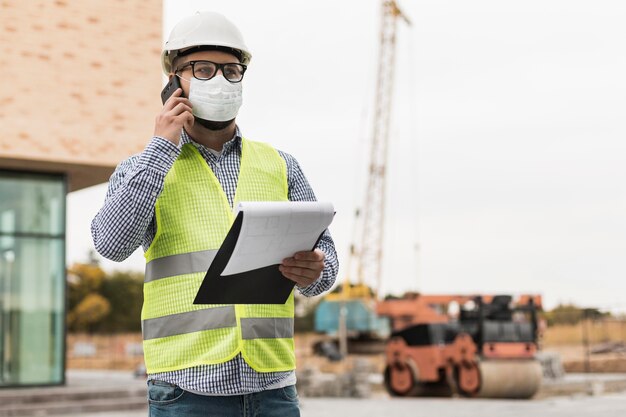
168	400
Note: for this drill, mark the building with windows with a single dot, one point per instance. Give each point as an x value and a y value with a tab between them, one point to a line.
79	94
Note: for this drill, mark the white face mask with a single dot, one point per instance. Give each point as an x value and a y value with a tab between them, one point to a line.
216	99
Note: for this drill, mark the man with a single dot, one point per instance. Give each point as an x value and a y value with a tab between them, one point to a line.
176	199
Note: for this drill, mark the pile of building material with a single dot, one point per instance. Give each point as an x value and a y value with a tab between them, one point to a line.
353	382
609	347
551	365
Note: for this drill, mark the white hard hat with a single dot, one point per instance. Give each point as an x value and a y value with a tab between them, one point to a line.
204	29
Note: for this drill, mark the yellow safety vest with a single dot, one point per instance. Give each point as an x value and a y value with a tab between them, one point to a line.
193	216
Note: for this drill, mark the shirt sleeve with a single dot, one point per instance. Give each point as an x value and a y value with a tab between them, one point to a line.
300	190
118	229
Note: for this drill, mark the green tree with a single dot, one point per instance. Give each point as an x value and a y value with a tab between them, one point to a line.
83	279
89	313
124	290
572	314
104	303
86	306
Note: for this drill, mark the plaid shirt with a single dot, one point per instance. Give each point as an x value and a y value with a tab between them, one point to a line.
127	221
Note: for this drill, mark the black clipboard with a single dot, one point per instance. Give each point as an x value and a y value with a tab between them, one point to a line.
259	286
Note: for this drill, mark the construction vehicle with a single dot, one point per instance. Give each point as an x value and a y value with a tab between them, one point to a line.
476	346
349	315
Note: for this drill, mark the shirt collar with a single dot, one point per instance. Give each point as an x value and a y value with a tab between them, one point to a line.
234	143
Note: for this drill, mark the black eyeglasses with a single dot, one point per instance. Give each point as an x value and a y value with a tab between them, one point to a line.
205	70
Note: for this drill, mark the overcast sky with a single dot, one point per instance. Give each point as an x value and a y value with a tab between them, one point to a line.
507	160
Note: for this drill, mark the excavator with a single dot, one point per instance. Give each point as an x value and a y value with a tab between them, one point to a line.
471	345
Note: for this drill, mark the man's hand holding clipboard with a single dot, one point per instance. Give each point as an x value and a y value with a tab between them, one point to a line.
270	246
303	267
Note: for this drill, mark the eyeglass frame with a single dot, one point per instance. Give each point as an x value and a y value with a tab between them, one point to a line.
220	67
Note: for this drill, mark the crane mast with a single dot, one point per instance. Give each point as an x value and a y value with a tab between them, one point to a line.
370	255
352	311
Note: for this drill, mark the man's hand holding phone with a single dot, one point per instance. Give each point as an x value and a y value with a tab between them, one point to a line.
176	113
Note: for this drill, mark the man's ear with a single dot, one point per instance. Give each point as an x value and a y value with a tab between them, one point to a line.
170	76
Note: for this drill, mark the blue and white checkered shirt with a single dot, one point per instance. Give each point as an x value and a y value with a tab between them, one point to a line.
127	221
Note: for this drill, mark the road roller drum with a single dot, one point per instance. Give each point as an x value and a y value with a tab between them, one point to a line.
502	378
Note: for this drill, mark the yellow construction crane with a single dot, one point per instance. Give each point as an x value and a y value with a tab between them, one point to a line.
370	253
352	311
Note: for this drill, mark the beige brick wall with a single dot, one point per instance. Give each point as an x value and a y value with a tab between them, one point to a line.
80	85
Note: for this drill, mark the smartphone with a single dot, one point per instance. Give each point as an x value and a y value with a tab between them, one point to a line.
169	88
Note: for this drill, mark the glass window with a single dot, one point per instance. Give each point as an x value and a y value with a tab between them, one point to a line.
34	204
32	279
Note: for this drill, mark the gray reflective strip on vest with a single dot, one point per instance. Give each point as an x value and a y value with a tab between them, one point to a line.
185	263
192	321
266	328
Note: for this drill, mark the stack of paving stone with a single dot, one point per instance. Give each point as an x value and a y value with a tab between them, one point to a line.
353	383
551	365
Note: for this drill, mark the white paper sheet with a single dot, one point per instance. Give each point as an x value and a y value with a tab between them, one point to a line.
272	231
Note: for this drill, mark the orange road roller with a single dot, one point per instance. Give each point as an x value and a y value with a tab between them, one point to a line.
474	346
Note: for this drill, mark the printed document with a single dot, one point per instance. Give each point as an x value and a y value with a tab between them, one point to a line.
273	231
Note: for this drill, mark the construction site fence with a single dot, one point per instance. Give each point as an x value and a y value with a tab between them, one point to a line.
591	344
